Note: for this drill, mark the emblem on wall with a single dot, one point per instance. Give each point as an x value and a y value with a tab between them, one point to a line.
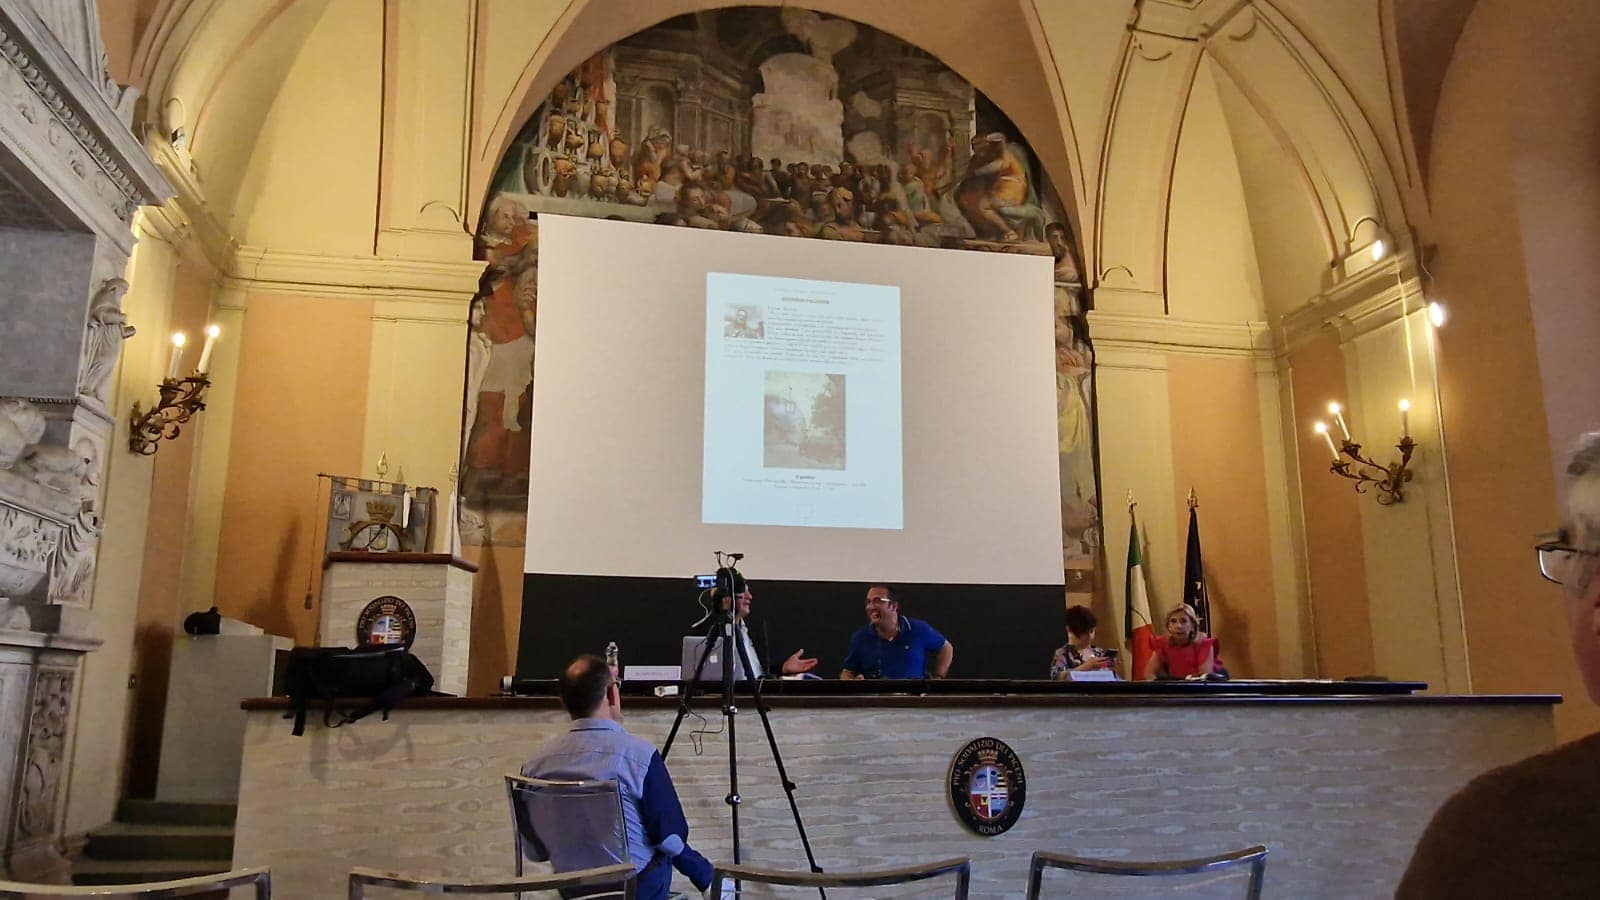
386	621
987	786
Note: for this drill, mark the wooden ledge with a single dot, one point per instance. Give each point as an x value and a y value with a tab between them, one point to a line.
434	559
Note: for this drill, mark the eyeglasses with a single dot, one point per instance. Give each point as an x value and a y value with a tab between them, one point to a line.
1559	561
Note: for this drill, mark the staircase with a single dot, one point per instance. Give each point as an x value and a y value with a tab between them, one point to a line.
154	841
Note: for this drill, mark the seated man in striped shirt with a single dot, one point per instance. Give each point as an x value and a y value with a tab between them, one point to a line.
598	748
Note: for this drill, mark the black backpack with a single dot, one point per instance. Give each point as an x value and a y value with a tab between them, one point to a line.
384	676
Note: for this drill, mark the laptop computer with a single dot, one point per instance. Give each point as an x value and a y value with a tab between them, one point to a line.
692	647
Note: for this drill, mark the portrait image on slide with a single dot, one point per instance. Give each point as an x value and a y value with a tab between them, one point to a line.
744	321
804	419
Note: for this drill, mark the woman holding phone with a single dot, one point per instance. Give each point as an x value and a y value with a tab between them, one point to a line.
1079	654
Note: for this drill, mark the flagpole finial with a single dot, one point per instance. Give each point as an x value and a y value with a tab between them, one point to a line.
1131	502
1194	502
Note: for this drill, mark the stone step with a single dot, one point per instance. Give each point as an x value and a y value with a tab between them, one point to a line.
159	812
128	841
134	871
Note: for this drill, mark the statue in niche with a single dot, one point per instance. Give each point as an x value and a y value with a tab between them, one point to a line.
108	328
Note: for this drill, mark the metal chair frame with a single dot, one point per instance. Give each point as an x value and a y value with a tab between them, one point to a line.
1254	857
961	867
363	878
260	878
514	782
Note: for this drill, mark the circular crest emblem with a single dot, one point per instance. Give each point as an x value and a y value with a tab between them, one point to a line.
386	620
987	786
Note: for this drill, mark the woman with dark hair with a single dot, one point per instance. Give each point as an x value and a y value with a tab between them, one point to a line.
1184	652
1078	654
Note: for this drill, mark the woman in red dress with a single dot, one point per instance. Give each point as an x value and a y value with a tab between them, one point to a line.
1184	652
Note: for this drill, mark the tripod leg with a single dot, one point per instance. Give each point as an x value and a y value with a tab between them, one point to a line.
783	774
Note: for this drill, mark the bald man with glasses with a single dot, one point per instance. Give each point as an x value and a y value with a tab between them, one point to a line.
1532	829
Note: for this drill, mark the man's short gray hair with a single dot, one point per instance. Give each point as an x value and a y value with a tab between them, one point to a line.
1583	496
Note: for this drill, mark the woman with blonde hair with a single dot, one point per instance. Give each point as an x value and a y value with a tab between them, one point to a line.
1184	652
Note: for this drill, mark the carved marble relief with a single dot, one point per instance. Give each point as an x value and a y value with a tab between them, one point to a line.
47	741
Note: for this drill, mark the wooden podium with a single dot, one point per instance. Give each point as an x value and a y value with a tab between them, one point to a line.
435	593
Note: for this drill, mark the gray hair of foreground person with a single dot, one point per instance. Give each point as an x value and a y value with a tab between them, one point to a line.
1580	586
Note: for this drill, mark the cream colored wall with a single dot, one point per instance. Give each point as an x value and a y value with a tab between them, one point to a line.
311	182
1211	255
1407	548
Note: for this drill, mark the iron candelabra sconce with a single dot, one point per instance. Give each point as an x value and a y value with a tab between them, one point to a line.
1390	480
181	398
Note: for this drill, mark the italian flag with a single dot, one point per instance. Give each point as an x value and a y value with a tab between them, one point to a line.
1136	617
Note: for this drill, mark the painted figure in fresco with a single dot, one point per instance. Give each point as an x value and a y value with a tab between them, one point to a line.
994	178
497	448
842	203
1061	248
653	151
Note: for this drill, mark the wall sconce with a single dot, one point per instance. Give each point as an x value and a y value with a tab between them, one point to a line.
181	398
1390	479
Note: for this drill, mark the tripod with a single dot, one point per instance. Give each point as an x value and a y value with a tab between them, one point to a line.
724	628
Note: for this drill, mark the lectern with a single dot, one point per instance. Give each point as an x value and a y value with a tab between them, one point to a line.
420	599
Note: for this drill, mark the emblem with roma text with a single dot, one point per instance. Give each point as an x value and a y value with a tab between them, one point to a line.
386	621
987	786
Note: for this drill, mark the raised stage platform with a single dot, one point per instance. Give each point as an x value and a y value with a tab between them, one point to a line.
1337	779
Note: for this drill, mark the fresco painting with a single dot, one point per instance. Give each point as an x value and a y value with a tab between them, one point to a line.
767	121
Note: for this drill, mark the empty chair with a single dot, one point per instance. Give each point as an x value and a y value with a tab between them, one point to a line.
1212	873
605	876
260	879
961	868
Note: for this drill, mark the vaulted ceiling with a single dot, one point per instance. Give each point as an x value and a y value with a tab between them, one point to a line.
1312	94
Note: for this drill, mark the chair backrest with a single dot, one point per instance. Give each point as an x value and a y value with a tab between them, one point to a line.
622	875
961	868
1253	858
203	885
573	824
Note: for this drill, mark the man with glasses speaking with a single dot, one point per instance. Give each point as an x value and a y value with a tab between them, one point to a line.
894	646
1530	829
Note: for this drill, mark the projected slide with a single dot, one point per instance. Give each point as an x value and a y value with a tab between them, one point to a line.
802	408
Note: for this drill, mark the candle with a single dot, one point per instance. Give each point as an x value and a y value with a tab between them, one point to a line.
1322	429
177	355
205	352
1336	411
1405	417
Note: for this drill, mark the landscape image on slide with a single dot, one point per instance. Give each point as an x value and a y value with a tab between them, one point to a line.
804	421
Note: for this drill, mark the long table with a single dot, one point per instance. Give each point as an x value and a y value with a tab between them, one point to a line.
1336	779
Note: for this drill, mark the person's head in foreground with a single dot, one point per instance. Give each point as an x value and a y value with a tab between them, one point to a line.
589	691
1571	556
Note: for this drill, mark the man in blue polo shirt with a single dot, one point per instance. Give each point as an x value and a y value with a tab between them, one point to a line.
599	748
894	646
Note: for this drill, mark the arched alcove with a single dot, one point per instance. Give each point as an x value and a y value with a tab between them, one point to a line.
782	122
